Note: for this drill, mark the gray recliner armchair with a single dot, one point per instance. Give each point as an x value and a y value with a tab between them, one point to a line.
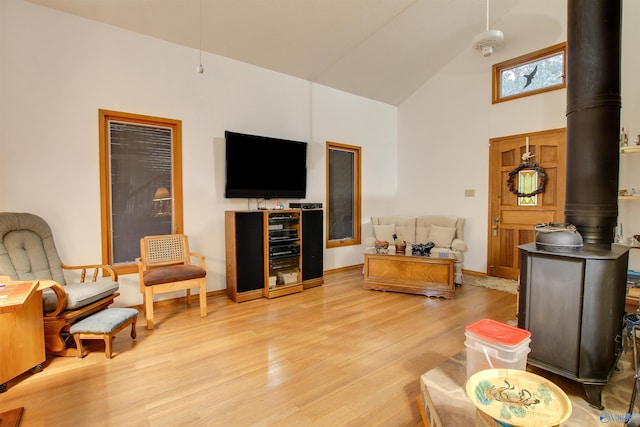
28	252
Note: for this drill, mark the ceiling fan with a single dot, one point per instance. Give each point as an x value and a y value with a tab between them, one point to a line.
488	40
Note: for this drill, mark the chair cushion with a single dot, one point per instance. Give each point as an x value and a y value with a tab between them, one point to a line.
80	294
27	250
172	273
104	321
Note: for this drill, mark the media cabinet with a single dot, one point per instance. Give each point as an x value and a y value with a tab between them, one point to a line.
271	253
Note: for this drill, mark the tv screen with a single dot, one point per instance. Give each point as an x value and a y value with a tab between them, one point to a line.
264	168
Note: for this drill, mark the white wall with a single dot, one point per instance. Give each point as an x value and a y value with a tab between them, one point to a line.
445	127
629	210
57	70
339	117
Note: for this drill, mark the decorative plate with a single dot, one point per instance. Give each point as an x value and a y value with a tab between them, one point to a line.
518	398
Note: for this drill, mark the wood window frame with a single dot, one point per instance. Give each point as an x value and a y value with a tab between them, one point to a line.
498	68
357	196
104	118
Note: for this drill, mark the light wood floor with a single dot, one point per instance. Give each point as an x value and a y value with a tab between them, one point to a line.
335	355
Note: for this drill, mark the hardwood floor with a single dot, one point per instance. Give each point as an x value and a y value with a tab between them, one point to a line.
335	355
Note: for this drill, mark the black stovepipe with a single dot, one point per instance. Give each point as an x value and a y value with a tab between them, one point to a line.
593	117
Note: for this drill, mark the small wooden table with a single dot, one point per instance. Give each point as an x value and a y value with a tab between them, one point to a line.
414	274
21	330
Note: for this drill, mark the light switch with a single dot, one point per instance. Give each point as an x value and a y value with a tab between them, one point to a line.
470	193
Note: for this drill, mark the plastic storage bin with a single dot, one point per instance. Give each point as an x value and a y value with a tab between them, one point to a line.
492	344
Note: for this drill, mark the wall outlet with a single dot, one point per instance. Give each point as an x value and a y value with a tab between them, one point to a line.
469	193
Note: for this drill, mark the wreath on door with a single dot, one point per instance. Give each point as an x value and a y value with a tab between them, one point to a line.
542	179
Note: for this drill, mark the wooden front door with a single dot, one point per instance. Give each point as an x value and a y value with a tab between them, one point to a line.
512	223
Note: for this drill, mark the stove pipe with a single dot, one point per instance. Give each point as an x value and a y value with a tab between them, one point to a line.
593	117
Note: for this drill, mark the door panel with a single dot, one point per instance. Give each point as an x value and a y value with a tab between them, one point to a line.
527	218
511	225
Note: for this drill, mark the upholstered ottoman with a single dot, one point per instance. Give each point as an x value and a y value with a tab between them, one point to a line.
104	325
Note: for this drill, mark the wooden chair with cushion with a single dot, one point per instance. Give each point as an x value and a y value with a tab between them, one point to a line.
28	252
165	266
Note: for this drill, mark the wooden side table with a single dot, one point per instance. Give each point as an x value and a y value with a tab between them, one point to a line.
21	330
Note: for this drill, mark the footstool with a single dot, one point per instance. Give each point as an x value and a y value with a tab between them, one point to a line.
103	325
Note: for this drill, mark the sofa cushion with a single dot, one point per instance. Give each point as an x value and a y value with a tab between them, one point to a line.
441	236
423	226
422	234
405	226
384	232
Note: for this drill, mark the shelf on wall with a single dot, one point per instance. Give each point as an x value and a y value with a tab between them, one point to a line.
628	245
628	197
630	149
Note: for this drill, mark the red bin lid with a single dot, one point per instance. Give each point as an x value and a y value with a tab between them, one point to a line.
493	331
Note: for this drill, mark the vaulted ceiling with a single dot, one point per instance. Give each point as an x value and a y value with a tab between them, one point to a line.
380	49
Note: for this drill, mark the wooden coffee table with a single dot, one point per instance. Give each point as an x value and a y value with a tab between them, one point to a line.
414	274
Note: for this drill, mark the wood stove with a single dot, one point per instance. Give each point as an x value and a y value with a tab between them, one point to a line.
573	305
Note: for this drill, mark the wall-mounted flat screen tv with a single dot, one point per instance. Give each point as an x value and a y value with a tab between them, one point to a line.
264	168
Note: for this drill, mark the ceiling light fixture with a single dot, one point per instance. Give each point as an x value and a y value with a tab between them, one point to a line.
489	39
200	68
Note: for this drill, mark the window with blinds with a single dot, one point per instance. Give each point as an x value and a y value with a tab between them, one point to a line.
141	183
343	195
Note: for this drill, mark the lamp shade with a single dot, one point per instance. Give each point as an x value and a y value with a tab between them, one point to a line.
162	193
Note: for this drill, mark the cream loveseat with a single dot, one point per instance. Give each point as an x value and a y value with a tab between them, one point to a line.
447	233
